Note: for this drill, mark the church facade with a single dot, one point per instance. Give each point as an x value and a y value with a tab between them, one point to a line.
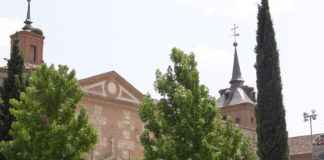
112	105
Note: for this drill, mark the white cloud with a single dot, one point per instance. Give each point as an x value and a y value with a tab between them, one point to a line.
207	57
8	27
206	53
234	8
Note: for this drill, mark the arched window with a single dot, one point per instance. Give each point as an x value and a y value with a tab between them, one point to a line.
237	120
33	57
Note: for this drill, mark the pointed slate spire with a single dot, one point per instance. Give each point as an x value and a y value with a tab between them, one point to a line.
237	93
237	79
28	21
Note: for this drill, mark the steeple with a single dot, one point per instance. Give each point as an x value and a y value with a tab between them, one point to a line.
237	93
28	21
237	102
236	74
237	79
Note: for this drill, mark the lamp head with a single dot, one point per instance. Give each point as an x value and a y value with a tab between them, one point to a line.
306	116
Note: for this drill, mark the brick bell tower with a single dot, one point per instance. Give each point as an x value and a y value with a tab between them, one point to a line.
31	41
237	103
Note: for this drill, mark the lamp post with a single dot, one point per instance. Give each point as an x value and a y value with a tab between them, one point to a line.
310	117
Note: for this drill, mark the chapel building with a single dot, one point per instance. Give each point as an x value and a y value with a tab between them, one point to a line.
112	105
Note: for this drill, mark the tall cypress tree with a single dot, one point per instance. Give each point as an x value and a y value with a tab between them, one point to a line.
270	112
12	86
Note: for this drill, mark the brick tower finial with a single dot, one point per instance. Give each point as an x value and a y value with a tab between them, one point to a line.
28	20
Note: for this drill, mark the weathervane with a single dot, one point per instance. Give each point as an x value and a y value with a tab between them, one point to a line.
235	34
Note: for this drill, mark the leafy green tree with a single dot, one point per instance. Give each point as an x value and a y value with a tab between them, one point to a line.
185	123
47	125
12	86
270	112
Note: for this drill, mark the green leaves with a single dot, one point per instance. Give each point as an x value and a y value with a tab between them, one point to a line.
13	84
185	123
47	126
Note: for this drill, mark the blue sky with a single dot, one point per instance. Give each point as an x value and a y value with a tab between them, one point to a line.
134	38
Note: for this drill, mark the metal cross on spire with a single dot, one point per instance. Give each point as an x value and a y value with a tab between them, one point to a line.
235	34
28	21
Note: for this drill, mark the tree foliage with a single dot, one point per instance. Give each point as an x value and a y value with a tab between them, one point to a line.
12	86
47	125
185	123
270	112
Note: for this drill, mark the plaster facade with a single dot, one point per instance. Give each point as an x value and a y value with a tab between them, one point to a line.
112	106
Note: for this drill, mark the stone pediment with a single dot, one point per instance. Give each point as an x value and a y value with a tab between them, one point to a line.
111	85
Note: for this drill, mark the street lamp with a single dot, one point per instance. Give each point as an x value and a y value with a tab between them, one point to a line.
310	117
